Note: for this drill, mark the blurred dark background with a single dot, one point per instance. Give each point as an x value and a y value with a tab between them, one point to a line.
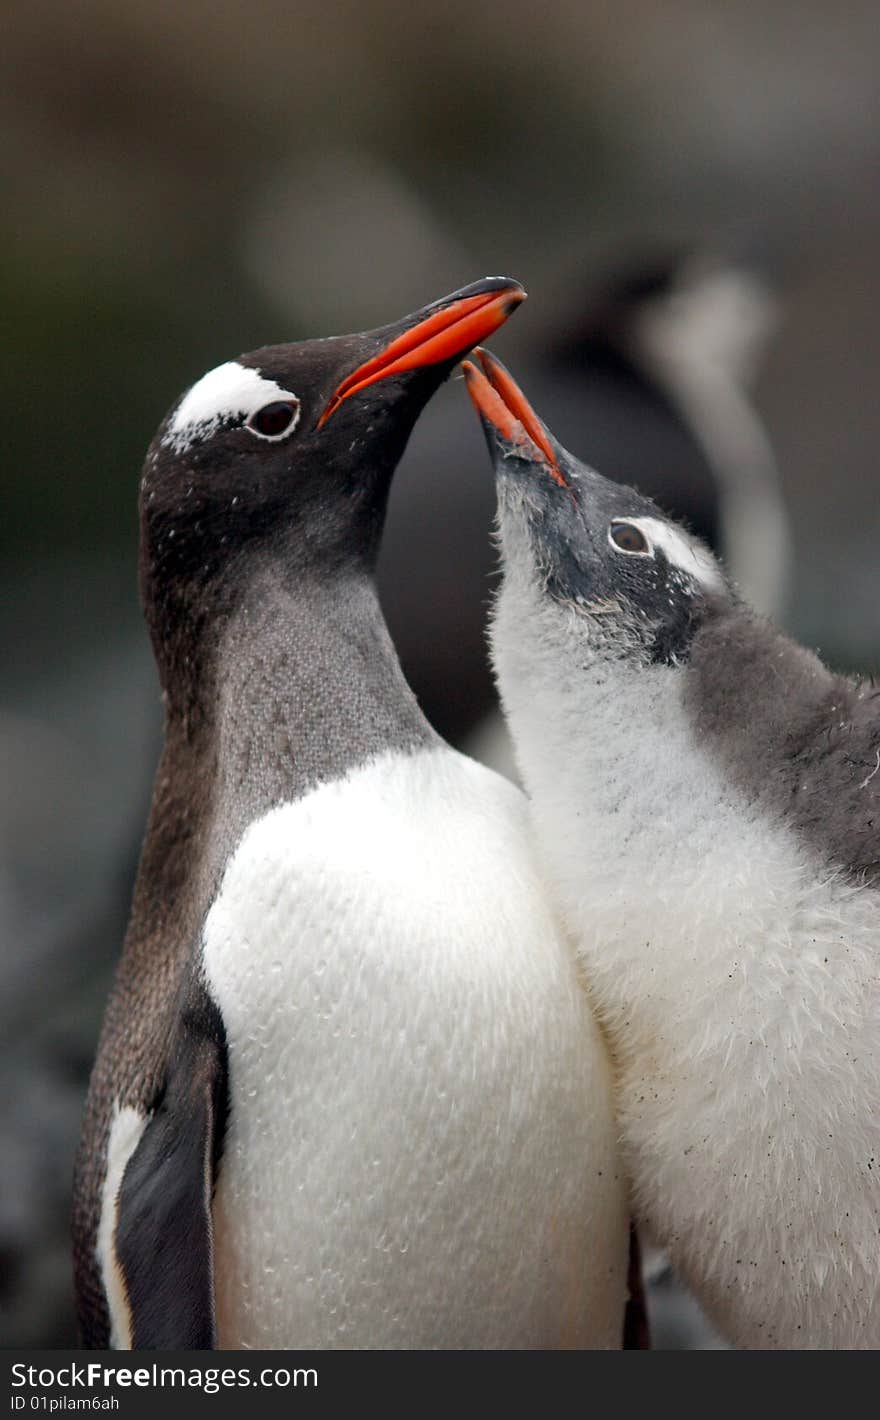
187	181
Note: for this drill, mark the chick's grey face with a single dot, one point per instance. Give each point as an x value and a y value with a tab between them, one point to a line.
604	564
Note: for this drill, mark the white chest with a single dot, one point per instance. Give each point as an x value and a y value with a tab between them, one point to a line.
738	979
420	1148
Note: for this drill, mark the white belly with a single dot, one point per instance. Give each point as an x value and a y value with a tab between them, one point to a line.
738	978
421	1148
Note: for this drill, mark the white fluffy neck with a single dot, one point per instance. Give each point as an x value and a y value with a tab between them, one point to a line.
627	807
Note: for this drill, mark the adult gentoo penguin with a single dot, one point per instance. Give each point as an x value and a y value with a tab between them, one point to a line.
706	801
349	1091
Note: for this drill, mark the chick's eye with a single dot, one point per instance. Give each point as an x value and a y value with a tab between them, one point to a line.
275	420
628	537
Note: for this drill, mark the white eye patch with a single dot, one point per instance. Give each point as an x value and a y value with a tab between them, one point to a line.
232	391
680	551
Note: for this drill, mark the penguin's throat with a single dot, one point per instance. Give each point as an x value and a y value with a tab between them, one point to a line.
620	730
310	683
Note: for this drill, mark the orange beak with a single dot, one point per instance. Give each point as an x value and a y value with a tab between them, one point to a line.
499	400
443	335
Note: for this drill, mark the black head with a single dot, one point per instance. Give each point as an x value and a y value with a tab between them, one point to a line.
586	544
289	451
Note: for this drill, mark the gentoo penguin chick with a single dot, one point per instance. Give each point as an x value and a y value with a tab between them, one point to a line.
349	1091
706	800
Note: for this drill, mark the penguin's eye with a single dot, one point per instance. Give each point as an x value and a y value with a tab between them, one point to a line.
626	537
275	420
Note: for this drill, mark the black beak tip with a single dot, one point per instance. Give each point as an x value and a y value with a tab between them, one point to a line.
485	287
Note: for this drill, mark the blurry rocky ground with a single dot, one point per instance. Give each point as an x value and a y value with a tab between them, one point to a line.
183	182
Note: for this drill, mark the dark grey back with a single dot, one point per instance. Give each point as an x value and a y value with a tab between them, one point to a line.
794	737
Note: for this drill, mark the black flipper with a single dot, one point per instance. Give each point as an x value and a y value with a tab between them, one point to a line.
164	1235
636	1327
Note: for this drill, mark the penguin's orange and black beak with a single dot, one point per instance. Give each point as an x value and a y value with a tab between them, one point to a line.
508	418
439	334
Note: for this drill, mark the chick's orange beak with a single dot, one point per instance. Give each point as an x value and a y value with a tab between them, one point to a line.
499	400
443	335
